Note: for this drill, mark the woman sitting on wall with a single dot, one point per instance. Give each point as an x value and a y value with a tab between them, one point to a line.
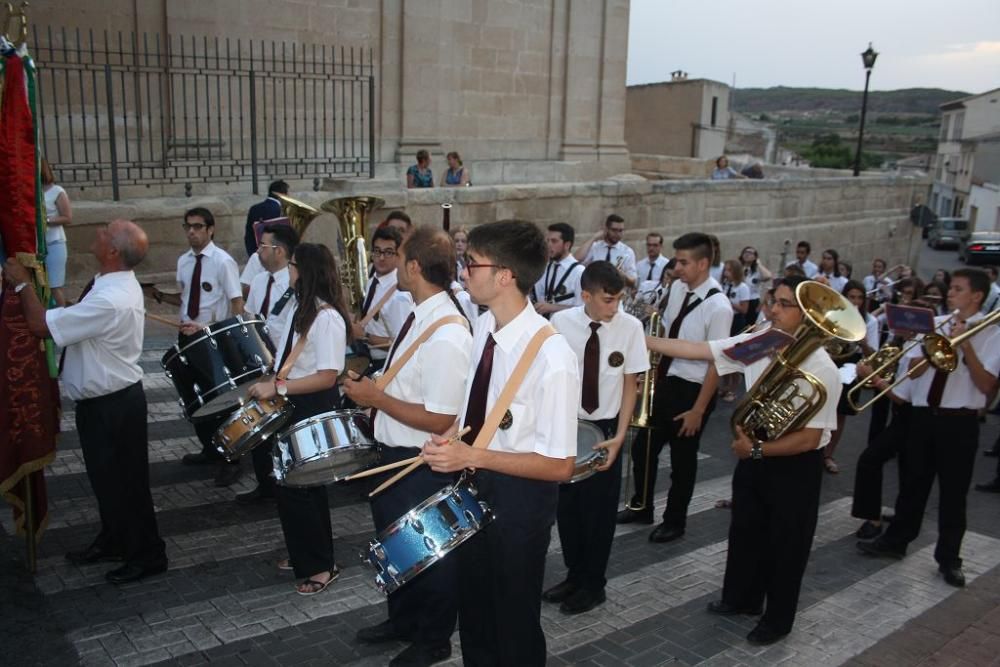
457	175
419	175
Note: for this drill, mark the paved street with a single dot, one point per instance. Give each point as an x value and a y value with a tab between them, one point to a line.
224	601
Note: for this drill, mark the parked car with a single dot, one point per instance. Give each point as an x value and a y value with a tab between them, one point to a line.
947	232
980	248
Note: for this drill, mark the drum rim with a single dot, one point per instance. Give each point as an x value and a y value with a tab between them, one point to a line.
322	417
212	331
233	378
282	414
283	480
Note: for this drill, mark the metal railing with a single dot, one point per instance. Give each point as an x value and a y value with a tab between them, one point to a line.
124	109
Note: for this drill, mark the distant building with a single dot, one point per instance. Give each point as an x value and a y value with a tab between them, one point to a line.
967	152
682	117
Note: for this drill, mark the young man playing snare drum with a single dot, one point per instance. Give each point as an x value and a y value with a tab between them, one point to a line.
611	350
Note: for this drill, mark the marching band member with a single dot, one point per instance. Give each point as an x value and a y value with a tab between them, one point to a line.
652	266
607	244
385	320
273	300
313	349
945	430
697	311
559	286
776	484
611	352
102	336
501	568
423	398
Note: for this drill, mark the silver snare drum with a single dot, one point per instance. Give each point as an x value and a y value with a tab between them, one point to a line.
325	448
587	458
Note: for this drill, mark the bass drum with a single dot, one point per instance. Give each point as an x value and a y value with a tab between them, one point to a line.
587	458
209	368
325	448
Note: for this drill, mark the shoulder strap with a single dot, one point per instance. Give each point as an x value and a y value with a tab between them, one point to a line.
513	384
373	313
383	381
280	304
566	275
300	345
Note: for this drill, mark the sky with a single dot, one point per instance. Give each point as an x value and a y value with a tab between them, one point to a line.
953	44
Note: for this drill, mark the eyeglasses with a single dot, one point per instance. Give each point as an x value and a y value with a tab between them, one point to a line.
197	226
784	303
383	253
268	245
475	265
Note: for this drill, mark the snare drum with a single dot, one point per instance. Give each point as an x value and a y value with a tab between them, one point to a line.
425	535
587	458
325	448
209	369
254	422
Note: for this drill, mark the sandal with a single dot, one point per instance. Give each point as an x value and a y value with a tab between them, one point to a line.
723	504
285	565
831	466
729	397
313	587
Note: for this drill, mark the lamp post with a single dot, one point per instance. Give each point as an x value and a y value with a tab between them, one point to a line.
868	58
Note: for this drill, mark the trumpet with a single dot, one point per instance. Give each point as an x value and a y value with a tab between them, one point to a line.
939	351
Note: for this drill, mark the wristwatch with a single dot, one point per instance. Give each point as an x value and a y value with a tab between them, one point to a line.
756	452
19	287
281	387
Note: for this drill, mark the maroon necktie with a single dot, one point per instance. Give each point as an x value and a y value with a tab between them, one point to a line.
194	294
675	329
86	290
607	257
475	411
372	286
591	364
388	360
937	388
267	296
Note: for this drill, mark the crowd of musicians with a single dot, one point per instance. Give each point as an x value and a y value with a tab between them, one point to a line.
518	307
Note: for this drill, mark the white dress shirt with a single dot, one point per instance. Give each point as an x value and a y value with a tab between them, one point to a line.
464	299
380	326
276	323
435	376
835	282
566	292
736	294
220	283
251	270
325	348
817	364
659	265
711	320
716	272
544	408
754	281
992	299
623	336
622	256
872	331
808	266
102	335
959	391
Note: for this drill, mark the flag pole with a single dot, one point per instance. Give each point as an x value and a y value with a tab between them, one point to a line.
29	523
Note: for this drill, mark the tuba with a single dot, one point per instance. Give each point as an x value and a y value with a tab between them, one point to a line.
299	213
785	398
352	214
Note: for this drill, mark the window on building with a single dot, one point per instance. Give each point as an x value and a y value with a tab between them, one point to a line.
956	130
973	215
715	109
945	123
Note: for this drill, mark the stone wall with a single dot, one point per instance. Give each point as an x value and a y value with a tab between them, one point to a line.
861	218
672	167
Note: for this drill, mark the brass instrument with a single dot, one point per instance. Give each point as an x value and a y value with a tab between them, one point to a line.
637	303
299	213
886	359
939	351
785	398
840	350
642	417
352	214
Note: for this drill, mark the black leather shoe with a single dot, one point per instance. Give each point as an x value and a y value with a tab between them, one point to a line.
228	474
992	453
763	635
581	601
560	592
258	495
198	459
880	547
723	608
378	634
135	572
990	487
953	575
93	554
868	531
632	516
664	533
418	655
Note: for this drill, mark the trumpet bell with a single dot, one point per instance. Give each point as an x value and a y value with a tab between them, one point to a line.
830	312
299	214
940	353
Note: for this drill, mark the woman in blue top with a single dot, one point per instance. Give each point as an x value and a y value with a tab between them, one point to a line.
419	175
723	171
457	174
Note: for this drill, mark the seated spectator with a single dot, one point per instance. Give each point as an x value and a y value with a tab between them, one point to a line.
457	174
723	171
754	171
419	175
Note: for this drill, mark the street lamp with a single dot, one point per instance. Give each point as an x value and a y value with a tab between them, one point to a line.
868	58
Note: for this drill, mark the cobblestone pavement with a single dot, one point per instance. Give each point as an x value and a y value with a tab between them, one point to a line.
223	600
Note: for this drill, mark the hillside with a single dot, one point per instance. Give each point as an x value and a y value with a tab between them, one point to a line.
907	100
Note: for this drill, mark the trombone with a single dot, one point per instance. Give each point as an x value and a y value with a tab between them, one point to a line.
939	351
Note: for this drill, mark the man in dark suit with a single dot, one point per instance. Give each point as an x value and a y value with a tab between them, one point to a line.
267	209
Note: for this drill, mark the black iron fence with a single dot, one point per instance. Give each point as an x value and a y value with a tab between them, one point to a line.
130	109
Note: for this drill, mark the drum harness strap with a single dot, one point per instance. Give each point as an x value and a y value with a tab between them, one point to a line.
280	304
373	313
300	344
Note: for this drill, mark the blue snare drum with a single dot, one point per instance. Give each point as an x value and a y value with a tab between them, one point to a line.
425	535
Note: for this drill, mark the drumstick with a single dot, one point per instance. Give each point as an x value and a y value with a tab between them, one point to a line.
385	468
413	466
163	320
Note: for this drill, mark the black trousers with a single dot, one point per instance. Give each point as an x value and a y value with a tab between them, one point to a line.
943	447
305	513
205	429
586	520
673	397
775	505
425	610
115	447
867	502
881	410
263	466
501	569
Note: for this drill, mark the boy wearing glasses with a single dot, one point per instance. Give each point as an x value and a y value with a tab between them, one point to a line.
776	484
384	318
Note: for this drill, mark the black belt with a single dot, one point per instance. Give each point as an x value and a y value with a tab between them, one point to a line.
950	412
109	397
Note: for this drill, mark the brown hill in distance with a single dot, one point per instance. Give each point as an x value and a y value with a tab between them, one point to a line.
907	100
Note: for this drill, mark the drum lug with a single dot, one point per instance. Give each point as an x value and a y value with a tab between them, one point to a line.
180	402
183	359
170	376
247	419
417	525
431	546
211	341
378	551
471	518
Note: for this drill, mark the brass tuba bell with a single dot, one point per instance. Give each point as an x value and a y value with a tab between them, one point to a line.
785	398
299	213
352	213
